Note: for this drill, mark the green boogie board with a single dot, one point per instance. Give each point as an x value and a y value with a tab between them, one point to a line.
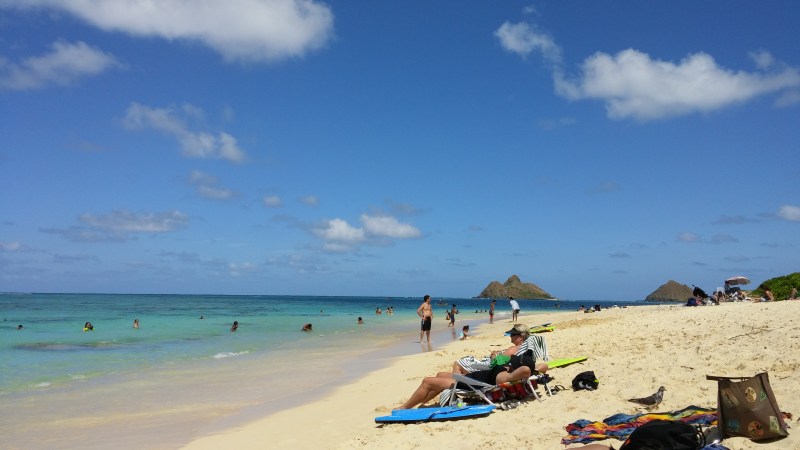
565	361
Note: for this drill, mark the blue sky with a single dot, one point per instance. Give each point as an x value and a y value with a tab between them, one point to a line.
392	148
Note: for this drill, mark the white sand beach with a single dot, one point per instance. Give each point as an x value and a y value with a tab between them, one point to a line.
633	351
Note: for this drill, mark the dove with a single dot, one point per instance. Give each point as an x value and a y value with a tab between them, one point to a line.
650	401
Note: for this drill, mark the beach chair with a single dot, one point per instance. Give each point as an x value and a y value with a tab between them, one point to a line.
489	393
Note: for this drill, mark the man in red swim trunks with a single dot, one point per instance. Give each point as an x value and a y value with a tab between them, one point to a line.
425	312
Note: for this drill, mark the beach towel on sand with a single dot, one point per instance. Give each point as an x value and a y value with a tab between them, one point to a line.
620	426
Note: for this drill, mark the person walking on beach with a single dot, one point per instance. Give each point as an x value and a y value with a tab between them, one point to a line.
425	312
491	311
514	309
453	312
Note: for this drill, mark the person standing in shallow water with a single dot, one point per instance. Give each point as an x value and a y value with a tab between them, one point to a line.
425	312
235	326
453	312
491	312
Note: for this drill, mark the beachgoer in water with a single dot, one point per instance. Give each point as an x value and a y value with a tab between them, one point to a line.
491	311
360	321
235	326
464	333
135	323
377	310
453	312
202	317
88	326
306	327
19	327
425	312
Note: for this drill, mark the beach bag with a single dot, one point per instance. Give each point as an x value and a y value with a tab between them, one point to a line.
747	407
585	380
664	435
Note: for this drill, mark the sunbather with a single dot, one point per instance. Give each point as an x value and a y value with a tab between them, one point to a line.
468	365
519	368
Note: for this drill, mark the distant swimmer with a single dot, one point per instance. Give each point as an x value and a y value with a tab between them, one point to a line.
360	321
88	326
19	327
306	327
377	310
235	326
135	323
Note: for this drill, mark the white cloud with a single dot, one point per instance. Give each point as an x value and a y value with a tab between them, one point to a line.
193	143
790	213
10	246
386	226
272	201
633	85
64	65
340	236
340	230
688	237
207	186
310	200
127	222
523	39
240	30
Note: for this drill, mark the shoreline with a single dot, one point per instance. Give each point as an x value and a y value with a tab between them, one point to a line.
632	351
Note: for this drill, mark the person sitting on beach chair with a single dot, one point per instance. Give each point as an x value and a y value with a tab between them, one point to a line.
518	368
533	342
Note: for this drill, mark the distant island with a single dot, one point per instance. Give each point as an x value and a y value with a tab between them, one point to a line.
514	287
671	291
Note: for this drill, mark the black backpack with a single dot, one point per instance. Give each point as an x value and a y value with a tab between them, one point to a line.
665	435
585	380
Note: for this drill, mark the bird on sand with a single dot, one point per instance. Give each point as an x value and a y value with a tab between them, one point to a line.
650	401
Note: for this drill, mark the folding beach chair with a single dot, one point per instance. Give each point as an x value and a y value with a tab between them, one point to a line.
490	393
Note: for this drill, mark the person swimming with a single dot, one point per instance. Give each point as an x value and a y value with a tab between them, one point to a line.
88	326
235	326
306	327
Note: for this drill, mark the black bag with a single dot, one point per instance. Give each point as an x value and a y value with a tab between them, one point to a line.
585	380
665	435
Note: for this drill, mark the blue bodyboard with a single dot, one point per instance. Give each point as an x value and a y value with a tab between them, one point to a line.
436	413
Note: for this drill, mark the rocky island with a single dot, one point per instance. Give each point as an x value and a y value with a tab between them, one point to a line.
671	291
514	287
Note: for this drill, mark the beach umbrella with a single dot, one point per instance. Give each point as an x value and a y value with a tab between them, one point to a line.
733	281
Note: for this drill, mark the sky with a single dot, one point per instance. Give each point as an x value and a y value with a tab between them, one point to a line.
397	148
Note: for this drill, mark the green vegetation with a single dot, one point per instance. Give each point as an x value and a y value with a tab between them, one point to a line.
780	286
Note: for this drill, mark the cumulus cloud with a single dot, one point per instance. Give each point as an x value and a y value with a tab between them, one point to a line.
634	85
194	144
272	201
790	213
523	39
64	65
208	186
386	226
239	30
340	236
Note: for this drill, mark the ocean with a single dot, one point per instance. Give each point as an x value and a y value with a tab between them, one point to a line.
182	373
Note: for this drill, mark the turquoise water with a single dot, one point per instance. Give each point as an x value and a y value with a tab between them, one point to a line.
179	376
